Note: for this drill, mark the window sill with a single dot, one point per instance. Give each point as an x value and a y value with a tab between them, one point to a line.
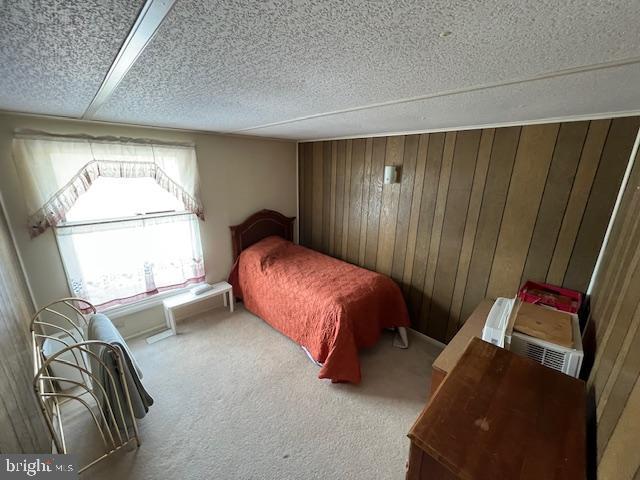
118	311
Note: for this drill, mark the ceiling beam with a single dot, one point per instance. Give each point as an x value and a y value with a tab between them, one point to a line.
145	27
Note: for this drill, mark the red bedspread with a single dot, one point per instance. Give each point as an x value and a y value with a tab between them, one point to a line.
328	306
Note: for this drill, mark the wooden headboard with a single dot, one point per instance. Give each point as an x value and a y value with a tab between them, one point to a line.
260	225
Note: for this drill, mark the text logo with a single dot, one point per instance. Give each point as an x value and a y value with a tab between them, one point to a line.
38	466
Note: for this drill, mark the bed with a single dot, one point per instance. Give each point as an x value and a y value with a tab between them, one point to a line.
329	307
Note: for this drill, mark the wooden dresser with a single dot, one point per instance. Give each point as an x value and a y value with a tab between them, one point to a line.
448	358
496	415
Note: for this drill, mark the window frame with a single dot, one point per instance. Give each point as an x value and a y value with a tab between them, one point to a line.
134	218
133	306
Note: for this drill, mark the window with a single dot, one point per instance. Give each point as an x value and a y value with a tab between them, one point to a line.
128	238
112	198
125	211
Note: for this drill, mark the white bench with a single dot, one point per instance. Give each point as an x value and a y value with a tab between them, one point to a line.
182	300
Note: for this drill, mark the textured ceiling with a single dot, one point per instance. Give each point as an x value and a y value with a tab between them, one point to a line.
326	68
582	94
54	54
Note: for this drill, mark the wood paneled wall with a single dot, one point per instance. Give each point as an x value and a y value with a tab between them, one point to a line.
615	311
22	429
475	212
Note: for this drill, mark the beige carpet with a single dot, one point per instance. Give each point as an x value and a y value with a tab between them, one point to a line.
235	399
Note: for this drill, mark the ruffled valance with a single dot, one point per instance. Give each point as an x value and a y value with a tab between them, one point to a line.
55	171
54	211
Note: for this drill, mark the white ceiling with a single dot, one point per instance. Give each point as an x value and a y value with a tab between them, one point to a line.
54	54
310	69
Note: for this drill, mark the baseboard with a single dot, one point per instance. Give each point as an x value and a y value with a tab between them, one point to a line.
427	338
146	332
160	336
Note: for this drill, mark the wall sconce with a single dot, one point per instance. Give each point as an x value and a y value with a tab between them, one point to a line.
390	174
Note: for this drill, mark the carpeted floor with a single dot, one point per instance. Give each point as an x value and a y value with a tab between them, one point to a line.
235	399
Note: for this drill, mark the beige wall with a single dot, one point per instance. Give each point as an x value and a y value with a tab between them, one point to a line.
238	175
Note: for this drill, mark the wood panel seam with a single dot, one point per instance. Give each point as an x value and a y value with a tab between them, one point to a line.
493	259
588	197
566	206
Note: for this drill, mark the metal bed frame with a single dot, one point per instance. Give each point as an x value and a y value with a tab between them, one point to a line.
87	388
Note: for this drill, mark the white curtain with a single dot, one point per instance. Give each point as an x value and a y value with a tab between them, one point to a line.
56	170
118	262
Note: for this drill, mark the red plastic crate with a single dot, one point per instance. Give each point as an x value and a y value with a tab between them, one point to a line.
551	295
